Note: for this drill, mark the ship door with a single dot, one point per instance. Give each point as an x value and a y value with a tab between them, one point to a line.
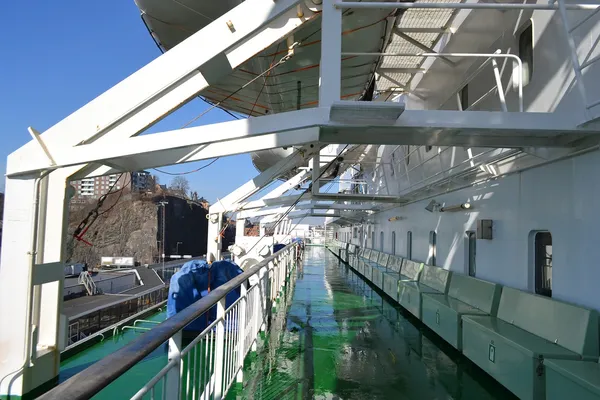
543	263
471	240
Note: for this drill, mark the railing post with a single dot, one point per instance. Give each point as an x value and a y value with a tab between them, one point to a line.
242	331
264	296
219	349
254	326
173	377
499	83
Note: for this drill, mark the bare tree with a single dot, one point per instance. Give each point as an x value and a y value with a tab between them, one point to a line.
180	185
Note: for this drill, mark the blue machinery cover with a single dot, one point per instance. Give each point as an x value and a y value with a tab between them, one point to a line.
194	281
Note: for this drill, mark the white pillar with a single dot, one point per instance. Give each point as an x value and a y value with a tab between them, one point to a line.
331	54
172	389
288	225
316	173
213	248
34	232
240	227
278	229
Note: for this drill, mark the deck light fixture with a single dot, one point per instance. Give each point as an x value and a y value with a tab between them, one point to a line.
458	207
435	206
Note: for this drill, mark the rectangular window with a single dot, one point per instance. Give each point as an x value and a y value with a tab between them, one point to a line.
373	240
543	263
526	53
471	243
432	248
464	98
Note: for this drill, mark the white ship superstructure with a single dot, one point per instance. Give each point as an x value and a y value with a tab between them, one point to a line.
459	135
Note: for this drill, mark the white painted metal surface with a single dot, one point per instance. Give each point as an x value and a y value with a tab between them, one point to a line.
528	171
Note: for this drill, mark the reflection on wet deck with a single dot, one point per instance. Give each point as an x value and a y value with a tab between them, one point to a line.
342	339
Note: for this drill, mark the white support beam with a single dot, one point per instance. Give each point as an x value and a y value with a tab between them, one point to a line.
35	227
437	127
358	197
274	194
461	6
252	186
281	201
287	185
175	77
330	68
421	46
384	71
460	128
424	30
316	173
311	213
261	212
345	207
190	144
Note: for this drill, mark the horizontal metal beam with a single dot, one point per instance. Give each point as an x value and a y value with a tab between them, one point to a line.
357	197
299	138
374	125
424	30
401	70
281	201
261	212
462	6
421	46
186	145
310	213
346	207
460	128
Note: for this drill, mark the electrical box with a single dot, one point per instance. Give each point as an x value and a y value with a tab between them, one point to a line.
484	229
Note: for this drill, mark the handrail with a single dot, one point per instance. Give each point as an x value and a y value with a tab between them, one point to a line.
93	379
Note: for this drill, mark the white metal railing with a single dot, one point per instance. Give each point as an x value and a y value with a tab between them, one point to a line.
577	66
210	364
489	56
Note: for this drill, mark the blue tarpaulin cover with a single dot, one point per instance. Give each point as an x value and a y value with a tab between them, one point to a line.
194	281
277	247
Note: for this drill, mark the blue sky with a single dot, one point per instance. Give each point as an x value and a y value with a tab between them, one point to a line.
57	56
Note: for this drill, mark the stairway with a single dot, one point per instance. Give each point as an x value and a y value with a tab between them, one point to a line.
86	280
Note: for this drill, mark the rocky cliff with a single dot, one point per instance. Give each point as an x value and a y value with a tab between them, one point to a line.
127	229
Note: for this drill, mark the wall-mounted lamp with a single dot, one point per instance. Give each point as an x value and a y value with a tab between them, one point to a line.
435	206
395	218
458	207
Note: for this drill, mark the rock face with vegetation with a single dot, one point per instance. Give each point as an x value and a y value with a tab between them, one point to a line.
128	230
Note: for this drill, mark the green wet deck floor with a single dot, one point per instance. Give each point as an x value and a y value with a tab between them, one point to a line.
130	382
339	338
